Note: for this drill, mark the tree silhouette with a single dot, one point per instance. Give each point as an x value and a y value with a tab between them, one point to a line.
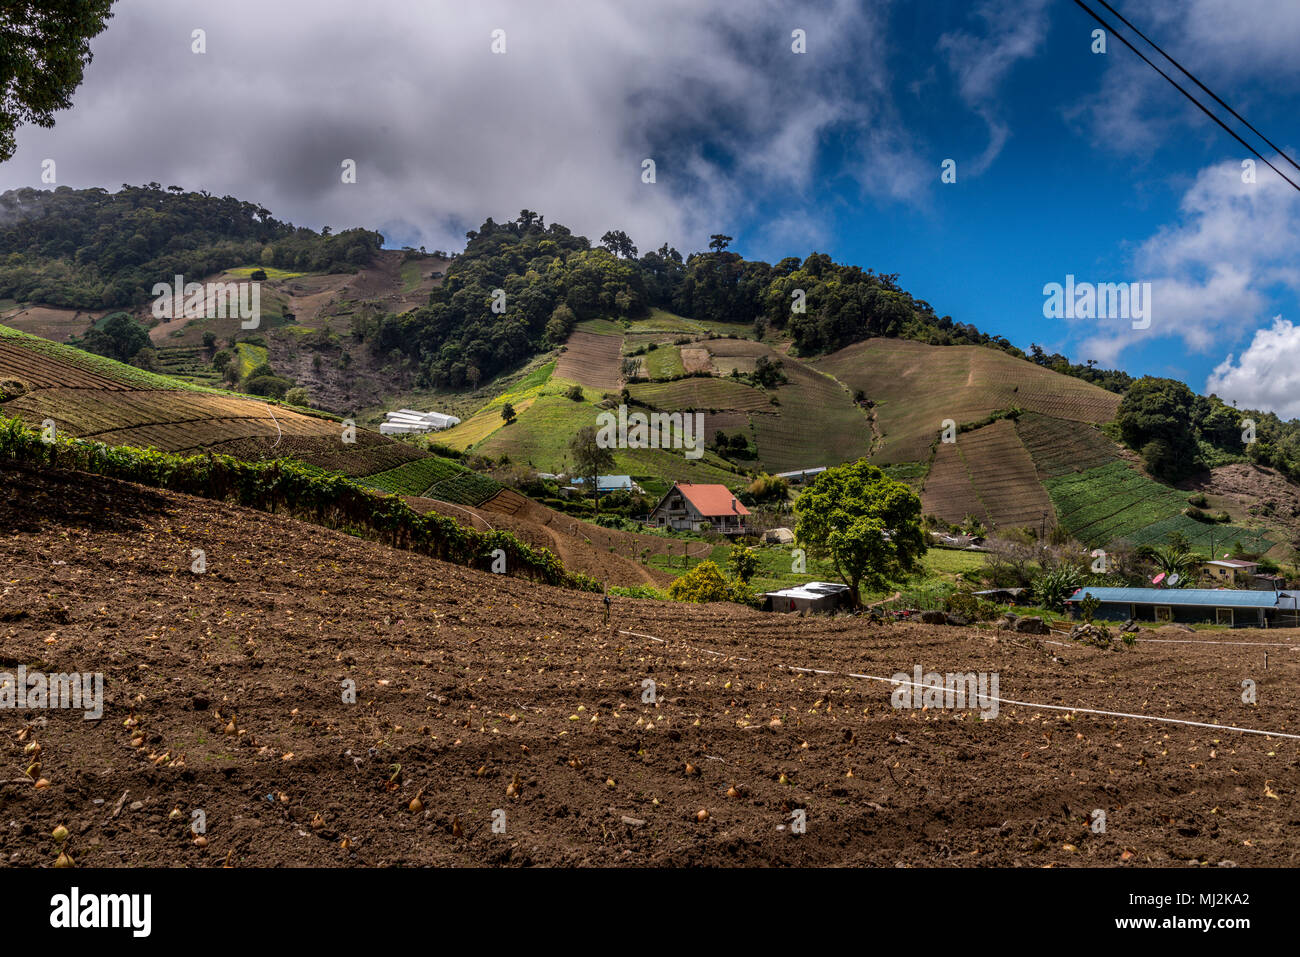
44	52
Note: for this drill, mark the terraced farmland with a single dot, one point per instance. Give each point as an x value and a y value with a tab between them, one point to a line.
1115	502
481	424
540	436
700	394
592	360
948	491
1059	446
92	397
664	362
188	362
916	387
370	454
817	422
168	420
989	474
437	478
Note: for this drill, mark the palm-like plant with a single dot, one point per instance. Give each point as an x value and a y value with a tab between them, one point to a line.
1176	558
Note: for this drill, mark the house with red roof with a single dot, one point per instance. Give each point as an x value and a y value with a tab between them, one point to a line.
698	508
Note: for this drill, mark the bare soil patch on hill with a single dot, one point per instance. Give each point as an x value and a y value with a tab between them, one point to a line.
1246	491
51	322
607	554
592	360
482	698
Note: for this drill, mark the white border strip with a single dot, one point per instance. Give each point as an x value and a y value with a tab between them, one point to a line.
1022	704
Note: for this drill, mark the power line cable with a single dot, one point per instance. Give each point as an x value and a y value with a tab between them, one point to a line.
1199	105
1273	146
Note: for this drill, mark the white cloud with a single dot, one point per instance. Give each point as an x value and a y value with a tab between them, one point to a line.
1013	30
1244	50
445	133
1267	375
1215	271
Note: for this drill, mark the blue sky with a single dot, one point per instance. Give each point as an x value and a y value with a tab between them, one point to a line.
1083	185
1068	162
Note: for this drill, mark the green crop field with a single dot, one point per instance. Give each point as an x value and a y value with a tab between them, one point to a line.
435	477
1115	502
664	362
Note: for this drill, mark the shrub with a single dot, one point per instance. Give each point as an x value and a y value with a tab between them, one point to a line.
969	606
1088	607
268	386
743	563
1052	586
705	582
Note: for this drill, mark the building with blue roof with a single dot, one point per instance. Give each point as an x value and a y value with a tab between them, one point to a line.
1238	608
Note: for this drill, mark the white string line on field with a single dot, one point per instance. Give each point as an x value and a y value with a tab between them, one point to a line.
1191	641
1011	701
1207	641
277	425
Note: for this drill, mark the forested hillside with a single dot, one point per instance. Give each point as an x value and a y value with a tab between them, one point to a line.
92	249
553	279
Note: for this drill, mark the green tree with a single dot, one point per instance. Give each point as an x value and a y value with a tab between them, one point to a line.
1155	419
120	338
865	523
619	243
508	414
590	459
44	49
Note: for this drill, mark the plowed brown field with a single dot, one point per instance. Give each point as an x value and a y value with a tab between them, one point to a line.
492	699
